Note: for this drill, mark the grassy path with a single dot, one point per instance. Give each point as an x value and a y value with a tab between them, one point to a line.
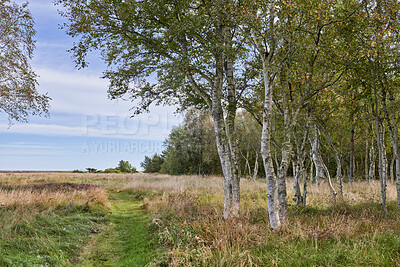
127	240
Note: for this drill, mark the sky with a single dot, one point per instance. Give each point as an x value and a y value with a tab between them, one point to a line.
85	128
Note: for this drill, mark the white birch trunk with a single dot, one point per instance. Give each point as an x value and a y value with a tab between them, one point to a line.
225	140
271	179
311	170
393	131
255	171
316	156
379	128
372	159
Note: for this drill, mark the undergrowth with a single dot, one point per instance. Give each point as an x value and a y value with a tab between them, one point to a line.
342	234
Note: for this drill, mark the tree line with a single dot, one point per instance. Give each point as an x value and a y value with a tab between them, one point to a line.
190	148
319	77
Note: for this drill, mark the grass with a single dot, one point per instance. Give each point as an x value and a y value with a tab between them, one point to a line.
352	232
38	230
128	242
86	226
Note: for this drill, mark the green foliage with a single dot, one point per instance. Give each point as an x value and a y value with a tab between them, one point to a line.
190	148
111	170
125	167
19	97
153	164
77	171
91	170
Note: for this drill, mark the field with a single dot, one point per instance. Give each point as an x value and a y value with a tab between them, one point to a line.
63	219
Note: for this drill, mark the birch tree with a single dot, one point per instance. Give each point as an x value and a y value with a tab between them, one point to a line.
189	45
18	82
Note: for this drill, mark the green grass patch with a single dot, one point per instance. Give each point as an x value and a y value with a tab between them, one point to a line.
52	237
128	241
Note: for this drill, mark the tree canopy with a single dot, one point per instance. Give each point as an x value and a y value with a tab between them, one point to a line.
18	82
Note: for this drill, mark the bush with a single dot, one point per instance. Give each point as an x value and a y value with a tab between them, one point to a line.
111	170
125	167
77	171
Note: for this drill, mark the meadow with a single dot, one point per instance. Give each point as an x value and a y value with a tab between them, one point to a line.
64	219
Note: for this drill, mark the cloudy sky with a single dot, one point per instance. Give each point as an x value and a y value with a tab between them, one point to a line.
85	128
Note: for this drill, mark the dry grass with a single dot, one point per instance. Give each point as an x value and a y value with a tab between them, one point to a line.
50	196
101	179
46	224
187	213
26	200
189	208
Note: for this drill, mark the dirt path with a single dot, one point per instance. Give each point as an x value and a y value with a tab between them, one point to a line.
126	241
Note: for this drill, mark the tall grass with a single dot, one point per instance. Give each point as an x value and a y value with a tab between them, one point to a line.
48	224
186	215
351	231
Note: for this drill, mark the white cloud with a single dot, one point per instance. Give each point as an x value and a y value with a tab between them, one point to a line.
80	93
144	132
27	146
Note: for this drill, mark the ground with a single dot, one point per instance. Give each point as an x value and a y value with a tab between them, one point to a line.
64	219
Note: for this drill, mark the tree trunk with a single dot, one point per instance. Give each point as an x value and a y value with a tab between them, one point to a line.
297	193
372	159
381	150
393	131
255	171
311	170
351	174
231	131
392	168
299	170
286	151
366	160
315	143
225	139
266	154
247	165
339	177
334	194
303	172
396	146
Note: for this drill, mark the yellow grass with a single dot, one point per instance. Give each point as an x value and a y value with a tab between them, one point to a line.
49	198
188	211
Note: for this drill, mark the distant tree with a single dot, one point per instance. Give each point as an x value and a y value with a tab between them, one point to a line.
153	164
91	170
125	166
19	97
190	148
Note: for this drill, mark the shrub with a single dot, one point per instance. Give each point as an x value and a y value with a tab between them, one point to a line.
125	167
111	170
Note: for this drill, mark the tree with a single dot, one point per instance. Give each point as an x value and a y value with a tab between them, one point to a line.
190	148
19	97
125	166
194	64
152	165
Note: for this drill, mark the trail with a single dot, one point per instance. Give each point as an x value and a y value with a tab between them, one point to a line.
126	241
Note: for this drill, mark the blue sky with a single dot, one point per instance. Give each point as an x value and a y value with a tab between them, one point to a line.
85	128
